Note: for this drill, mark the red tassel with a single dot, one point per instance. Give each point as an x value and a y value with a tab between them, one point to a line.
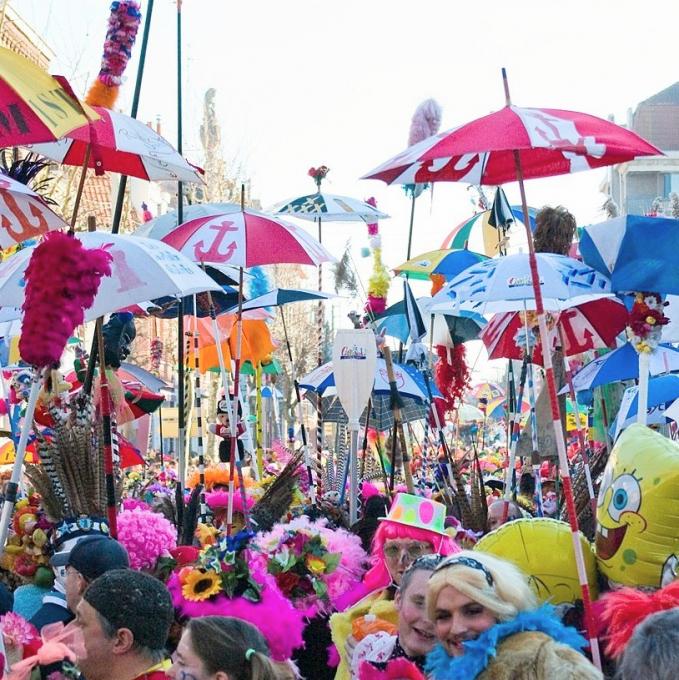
451	374
62	279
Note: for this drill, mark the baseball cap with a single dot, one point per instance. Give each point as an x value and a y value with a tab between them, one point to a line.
92	556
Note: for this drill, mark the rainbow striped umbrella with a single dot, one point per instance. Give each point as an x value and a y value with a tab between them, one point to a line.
460	236
447	262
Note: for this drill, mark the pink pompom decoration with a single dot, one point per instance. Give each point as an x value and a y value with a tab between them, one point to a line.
123	25
134	504
146	536
376	304
426	121
62	279
16	630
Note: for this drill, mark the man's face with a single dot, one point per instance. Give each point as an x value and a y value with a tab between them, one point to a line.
74	586
98	647
399	554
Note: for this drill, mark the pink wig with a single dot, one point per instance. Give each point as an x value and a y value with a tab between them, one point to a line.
219	500
274	616
378	577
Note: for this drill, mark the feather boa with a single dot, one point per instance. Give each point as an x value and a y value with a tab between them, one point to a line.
623	610
451	373
378	283
62	279
478	653
123	24
275	617
426	121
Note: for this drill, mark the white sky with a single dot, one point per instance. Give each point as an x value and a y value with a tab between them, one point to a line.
309	82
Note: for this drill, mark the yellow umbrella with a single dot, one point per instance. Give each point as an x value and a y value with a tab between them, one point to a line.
35	106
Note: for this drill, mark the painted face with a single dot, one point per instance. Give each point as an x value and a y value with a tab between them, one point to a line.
400	553
186	664
458	618
415	630
637	537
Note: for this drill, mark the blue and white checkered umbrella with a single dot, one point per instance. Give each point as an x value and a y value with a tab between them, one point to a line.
329	208
505	284
638	253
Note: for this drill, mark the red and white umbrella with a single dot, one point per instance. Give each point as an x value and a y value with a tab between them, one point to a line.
592	325
118	143
549	142
246	238
23	214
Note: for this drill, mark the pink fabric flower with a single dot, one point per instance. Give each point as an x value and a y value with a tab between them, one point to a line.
146	535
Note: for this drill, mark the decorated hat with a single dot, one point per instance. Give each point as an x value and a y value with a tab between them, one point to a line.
417	512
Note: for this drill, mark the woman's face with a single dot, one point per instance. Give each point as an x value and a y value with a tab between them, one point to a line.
400	553
458	618
186	664
415	630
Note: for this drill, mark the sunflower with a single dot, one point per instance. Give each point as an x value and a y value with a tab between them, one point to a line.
201	585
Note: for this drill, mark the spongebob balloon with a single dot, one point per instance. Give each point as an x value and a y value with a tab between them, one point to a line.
637	537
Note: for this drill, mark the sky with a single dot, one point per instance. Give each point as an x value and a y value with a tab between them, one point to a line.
304	83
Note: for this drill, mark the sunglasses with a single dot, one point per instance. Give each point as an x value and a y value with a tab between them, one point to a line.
414	550
470	562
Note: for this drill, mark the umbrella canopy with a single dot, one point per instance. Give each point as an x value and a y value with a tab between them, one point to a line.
623	364
487	390
637	253
284	296
591	325
8	453
142	269
162	225
505	284
131	373
549	141
446	262
466	413
449	329
23	214
409	381
381	412
118	143
467	230
36	106
662	391
329	208
246	238
497	408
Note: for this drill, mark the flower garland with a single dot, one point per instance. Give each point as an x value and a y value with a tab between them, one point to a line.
318	174
646	319
313	565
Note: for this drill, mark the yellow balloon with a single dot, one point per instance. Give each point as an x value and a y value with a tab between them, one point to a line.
637	538
543	549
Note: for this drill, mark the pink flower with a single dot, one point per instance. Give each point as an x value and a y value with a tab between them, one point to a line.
146	535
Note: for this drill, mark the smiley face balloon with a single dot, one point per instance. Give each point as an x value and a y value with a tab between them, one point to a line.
637	537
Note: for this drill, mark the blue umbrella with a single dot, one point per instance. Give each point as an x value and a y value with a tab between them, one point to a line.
622	364
505	284
284	296
455	328
661	391
638	253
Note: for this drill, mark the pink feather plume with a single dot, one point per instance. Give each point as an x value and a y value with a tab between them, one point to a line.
426	121
62	279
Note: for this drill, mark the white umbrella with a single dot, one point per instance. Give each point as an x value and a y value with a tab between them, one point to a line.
142	269
329	208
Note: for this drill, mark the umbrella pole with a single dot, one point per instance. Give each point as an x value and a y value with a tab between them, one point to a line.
108	447
515	427
320	320
535	455
313	490
81	186
578	428
17	468
642	394
259	430
234	429
412	221
398	423
556	414
198	408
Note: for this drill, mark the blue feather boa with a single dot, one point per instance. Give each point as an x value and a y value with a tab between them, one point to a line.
479	652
